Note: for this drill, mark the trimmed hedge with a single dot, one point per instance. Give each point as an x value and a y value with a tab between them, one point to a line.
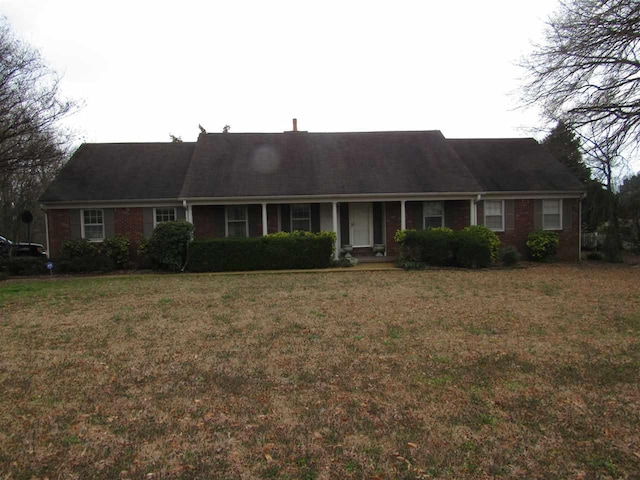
432	246
24	265
473	247
295	251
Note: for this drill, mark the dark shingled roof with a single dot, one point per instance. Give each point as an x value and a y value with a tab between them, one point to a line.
122	171
300	163
514	165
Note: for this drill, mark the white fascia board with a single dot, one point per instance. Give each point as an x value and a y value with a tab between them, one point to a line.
529	195
386	197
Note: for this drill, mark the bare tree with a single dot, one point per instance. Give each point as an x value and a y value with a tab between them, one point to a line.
587	70
33	144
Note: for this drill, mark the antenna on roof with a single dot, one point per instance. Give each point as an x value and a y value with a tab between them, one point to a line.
202	130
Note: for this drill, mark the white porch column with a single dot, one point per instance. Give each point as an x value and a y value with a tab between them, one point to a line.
334	218
473	220
403	215
265	227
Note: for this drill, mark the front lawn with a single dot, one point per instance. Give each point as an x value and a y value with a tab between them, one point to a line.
432	374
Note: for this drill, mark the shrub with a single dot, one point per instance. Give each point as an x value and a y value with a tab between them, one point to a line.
79	247
80	255
432	246
542	244
509	256
475	247
117	249
98	263
23	266
169	245
272	252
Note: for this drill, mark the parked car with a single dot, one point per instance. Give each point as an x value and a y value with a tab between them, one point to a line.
21	249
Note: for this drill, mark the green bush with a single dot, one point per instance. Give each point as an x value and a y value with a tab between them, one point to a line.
98	263
117	249
542	244
79	247
169	245
82	256
271	252
509	256
475	247
23	266
432	246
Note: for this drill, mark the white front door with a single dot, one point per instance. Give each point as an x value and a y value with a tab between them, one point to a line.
360	220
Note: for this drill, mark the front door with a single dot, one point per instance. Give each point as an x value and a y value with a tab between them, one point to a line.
360	219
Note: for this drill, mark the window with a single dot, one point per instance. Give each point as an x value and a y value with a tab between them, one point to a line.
237	225
163	215
552	214
494	215
93	225
301	217
433	213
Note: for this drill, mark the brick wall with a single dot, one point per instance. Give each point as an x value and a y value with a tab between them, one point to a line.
129	222
523	212
457	214
204	221
59	224
570	237
524	224
272	218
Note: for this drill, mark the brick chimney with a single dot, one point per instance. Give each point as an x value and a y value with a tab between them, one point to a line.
295	124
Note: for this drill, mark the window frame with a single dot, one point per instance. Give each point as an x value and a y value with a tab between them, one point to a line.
84	224
155	215
227	220
424	213
502	215
559	214
307	218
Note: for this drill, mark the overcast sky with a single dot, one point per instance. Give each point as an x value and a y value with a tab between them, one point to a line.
144	69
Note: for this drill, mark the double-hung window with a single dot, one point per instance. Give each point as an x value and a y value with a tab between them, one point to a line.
494	215
301	217
552	214
237	224
433	214
93	225
163	215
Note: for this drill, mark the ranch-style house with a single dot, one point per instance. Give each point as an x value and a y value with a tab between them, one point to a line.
363	186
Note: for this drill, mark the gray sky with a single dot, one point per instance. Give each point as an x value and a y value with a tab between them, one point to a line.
144	69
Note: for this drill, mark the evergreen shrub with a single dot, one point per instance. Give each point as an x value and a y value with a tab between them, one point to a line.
542	245
169	245
296	250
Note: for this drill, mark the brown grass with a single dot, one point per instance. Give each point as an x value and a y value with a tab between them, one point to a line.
436	374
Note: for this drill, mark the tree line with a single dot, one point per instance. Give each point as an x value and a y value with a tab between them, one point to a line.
585	78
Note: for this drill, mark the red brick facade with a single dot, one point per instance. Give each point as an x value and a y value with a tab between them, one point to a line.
129	222
209	221
59	226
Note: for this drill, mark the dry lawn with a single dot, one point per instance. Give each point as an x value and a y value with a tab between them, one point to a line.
437	374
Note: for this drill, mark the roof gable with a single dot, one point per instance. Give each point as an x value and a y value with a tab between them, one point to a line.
300	163
514	165
122	171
